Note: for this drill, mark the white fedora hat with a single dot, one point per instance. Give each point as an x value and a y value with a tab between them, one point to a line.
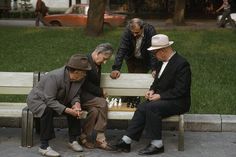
160	41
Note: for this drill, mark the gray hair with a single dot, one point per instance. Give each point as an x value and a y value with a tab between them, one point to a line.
134	22
105	48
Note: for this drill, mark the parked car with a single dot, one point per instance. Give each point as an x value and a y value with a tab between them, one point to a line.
233	16
76	15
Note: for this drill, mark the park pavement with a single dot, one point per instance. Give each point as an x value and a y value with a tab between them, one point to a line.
197	144
157	23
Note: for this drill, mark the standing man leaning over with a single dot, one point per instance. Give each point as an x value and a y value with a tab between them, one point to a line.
133	48
168	95
58	93
93	99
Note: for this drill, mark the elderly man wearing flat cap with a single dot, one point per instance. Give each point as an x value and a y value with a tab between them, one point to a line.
168	95
58	93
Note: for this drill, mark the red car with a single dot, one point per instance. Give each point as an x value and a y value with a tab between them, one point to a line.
76	15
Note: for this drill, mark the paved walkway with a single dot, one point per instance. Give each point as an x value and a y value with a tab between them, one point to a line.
197	144
196	24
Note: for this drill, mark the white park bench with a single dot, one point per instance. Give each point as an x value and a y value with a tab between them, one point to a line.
20	83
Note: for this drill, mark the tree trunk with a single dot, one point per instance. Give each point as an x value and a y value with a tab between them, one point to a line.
95	17
178	18
77	2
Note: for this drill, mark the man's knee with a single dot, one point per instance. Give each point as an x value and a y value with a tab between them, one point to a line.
93	112
102	103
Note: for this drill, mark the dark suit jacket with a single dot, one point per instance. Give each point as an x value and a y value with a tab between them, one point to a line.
91	87
127	47
175	82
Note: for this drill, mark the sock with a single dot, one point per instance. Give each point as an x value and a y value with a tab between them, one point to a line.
44	144
127	139
157	143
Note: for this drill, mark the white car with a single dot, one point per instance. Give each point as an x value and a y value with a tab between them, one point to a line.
233	16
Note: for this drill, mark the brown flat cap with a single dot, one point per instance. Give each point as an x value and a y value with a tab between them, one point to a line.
79	62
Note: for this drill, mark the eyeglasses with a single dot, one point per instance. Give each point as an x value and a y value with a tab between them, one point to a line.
158	50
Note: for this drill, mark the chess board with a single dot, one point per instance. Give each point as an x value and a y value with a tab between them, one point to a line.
123	107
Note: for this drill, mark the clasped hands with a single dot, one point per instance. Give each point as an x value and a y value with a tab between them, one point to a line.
151	96
75	110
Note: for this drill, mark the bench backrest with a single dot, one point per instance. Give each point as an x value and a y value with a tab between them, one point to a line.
18	83
126	84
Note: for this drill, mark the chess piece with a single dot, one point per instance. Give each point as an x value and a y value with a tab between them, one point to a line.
119	103
115	102
111	103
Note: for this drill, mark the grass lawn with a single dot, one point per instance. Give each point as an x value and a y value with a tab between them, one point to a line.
211	53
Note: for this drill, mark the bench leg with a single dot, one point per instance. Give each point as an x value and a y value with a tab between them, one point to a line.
30	129
27	128
24	127
181	133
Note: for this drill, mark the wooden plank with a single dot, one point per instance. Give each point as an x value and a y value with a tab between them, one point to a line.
120	115
127	81
125	92
11	109
16	82
123	108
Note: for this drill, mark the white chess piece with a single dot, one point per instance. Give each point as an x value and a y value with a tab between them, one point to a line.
119	103
115	102
110	105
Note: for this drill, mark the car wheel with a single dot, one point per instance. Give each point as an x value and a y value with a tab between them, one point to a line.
55	23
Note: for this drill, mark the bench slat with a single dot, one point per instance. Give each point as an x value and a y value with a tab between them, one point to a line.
125	92
136	81
121	115
16	82
11	109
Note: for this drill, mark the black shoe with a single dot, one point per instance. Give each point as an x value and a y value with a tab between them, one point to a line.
151	149
122	146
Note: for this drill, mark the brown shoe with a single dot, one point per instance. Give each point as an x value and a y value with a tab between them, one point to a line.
85	143
104	145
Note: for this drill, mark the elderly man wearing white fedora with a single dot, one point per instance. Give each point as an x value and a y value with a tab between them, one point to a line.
57	93
168	95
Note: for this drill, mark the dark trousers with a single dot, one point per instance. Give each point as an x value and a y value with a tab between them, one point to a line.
47	128
149	116
39	18
135	65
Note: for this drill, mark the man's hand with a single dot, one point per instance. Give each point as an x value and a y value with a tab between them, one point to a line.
154	73
76	106
148	94
155	97
115	74
72	112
